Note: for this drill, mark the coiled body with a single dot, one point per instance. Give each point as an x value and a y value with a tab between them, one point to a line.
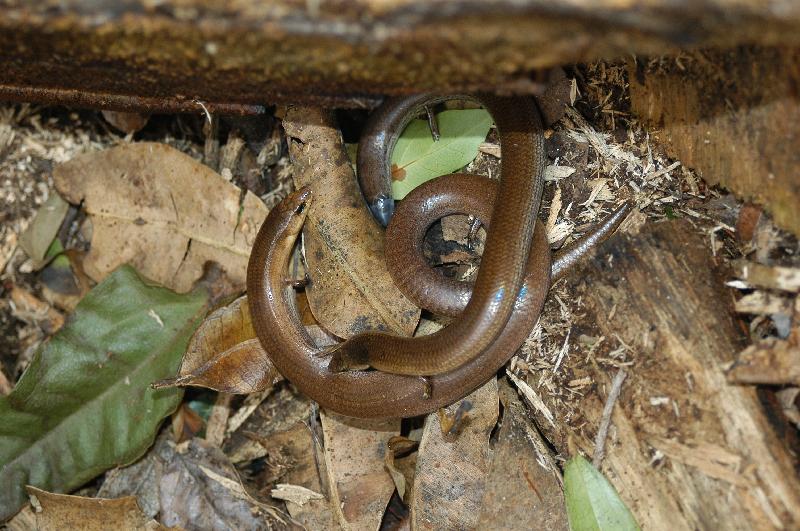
380	394
503	262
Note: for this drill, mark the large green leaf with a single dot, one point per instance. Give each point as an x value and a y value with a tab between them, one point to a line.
85	404
417	158
592	502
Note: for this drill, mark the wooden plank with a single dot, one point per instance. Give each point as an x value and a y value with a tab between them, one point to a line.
172	54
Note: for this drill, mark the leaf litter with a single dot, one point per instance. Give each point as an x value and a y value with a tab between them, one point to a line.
592	170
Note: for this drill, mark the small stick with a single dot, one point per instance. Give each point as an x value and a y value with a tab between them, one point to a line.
605	421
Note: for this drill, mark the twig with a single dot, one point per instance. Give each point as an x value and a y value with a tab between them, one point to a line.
605	421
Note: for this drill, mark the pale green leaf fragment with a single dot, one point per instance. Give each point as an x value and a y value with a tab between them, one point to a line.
417	158
38	236
592	502
84	404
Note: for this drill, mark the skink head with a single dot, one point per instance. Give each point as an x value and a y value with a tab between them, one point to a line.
383	209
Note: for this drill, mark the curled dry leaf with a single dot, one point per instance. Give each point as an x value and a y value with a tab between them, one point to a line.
127	122
162	211
449	464
61	511
401	454
30	309
225	355
350	290
354	456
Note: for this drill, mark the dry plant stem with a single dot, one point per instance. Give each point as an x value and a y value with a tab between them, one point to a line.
605	420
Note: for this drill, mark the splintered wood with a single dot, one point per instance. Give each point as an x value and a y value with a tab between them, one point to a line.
687	450
731	115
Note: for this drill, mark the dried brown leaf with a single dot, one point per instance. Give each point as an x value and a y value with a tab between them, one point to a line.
186	423
354	455
402	452
524	483
746	223
351	290
163	212
192	485
127	122
61	511
455	463
30	309
225	355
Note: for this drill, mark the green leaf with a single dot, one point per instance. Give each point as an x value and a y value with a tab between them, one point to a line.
85	404
592	502
417	158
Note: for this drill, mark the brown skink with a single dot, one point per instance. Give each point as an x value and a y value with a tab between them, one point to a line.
504	258
374	394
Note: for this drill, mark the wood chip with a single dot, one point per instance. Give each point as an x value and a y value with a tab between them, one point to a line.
533	398
714	461
763	303
768	277
295	494
771	361
218	420
556	173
